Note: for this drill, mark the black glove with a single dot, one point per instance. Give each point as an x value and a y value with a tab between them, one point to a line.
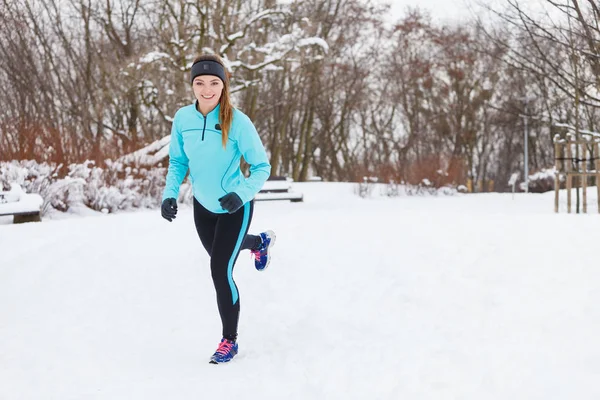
169	209
231	202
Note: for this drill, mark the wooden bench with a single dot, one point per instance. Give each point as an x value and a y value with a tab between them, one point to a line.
278	188
23	207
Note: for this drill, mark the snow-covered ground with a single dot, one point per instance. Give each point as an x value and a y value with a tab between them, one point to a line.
461	297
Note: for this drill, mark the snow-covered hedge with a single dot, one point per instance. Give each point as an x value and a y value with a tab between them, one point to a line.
116	187
392	189
540	182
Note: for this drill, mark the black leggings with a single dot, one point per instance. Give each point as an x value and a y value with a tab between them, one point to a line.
223	236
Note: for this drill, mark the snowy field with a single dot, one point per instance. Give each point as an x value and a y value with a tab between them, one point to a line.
462	297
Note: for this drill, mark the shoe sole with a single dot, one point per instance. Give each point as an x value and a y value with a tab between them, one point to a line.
217	363
223	362
272	244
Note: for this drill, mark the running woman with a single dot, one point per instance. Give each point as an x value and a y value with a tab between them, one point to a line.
208	138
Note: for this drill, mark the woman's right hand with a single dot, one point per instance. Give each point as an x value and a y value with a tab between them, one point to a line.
168	209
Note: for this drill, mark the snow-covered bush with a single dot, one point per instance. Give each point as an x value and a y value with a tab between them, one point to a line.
41	178
365	188
426	187
541	181
116	187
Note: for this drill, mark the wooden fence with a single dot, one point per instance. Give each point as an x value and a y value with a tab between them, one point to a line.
581	165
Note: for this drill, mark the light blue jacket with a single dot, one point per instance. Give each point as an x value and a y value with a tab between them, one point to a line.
196	144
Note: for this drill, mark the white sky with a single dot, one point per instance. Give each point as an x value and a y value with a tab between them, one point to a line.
438	8
451	10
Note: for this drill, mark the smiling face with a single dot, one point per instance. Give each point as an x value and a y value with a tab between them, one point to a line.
207	89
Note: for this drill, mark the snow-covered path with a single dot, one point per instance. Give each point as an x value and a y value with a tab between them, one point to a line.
465	297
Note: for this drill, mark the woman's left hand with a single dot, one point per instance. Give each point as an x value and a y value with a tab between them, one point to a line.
231	202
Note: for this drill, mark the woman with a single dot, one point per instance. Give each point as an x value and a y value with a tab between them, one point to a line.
208	137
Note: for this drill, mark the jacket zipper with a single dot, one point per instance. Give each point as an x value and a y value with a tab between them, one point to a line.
204	128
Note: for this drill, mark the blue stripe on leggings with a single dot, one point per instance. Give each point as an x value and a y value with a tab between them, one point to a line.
234	292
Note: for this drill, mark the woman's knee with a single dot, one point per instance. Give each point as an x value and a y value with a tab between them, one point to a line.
219	273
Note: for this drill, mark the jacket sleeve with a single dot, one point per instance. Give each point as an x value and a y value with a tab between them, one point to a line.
254	153
178	163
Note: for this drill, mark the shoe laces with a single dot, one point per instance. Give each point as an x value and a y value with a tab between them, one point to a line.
255	254
258	252
224	347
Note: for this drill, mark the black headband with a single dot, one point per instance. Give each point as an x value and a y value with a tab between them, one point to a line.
207	67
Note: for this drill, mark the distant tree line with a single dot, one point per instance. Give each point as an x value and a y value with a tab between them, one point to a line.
334	89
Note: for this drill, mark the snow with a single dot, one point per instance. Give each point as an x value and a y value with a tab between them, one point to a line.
581	131
27	204
266	13
513	178
235	36
314	41
149	155
17	201
544	174
153	56
415	297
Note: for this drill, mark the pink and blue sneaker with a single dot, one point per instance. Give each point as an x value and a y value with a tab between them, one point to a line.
262	257
226	351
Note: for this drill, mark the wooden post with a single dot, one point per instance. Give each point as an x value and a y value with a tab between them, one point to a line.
557	155
568	167
584	175
597	156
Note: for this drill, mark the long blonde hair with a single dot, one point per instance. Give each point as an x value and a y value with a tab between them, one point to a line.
226	109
